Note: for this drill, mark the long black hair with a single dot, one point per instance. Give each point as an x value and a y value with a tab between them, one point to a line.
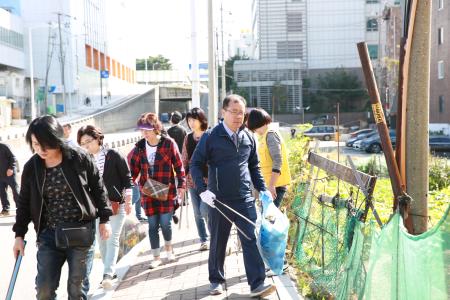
48	132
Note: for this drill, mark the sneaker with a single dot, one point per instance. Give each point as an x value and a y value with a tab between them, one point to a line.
107	281
170	256
270	273
175	219
155	263
203	246
5	212
215	289
263	290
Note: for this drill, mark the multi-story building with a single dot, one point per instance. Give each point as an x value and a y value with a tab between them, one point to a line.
243	46
71	46
440	64
271	83
12	59
273	80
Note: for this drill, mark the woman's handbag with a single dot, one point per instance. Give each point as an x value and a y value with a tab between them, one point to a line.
74	234
156	189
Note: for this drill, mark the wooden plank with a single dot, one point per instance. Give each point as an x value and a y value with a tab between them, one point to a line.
339	170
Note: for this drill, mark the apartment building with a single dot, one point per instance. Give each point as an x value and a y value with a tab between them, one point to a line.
440	63
12	62
71	45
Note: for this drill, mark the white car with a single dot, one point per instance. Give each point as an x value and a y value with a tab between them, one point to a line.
357	145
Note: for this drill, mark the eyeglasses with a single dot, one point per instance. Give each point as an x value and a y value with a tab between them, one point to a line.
86	142
236	113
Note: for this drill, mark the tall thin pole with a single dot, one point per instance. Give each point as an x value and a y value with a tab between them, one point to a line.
417	117
224	88
212	101
194	63
32	104
380	120
62	61
146	71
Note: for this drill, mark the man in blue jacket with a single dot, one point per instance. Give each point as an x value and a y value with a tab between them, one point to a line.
233	166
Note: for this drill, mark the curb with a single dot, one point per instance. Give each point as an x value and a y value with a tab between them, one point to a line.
122	267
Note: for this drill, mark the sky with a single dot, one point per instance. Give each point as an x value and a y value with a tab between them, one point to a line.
164	27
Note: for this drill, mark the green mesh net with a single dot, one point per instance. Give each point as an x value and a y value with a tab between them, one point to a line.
352	260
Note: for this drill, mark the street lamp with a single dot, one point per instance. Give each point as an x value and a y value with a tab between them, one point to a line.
303	112
30	53
30	56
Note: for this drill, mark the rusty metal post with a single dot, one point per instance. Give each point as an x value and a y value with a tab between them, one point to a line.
400	120
380	120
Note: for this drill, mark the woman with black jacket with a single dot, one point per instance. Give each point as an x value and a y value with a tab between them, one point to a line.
116	176
60	185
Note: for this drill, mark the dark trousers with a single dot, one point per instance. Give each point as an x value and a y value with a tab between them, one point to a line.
4	183
50	260
220	232
281	190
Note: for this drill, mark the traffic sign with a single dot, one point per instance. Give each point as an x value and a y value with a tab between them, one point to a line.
104	74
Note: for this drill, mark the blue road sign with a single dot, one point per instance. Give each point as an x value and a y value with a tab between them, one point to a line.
201	66
104	74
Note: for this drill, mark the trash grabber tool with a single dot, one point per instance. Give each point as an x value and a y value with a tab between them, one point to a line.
15	272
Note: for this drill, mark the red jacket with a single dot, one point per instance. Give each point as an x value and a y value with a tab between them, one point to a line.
167	160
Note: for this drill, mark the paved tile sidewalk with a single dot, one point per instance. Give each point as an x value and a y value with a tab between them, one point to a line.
187	278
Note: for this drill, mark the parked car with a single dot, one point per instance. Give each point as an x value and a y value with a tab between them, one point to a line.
373	144
439	143
323	132
358	137
360	132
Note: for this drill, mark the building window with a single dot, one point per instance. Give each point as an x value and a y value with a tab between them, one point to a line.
290	49
294	22
11	38
372	24
372	1
96	59
373	51
441	103
88	50
441	4
440	35
441	69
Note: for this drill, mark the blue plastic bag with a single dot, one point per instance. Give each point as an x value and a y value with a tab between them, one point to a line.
273	235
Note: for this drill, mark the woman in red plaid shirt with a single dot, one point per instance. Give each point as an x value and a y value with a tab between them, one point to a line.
156	156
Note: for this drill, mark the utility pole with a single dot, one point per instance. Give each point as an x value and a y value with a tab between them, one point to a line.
62	62
417	116
224	85
194	63
30	52
212	76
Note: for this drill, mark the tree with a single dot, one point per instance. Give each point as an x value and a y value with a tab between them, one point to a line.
280	95
338	86
229	74
158	62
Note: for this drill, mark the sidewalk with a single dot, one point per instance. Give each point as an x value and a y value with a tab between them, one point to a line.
187	278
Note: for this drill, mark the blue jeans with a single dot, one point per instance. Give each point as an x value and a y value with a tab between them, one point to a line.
136	200
49	263
154	223
200	215
281	190
109	249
